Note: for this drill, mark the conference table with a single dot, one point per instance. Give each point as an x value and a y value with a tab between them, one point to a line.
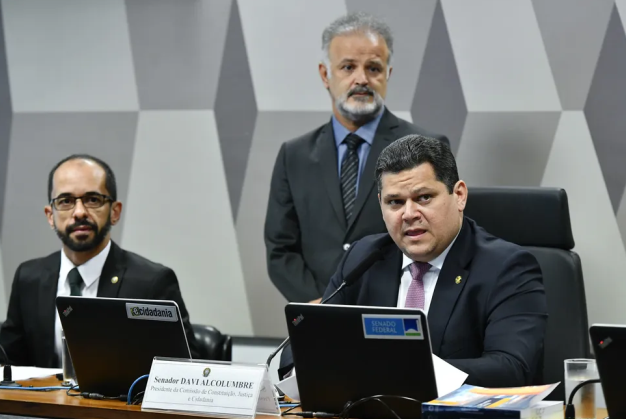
57	404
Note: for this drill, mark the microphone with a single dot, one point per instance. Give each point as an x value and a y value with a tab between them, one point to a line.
7	374
4	356
348	280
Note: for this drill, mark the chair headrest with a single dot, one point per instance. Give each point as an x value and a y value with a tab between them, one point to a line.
523	215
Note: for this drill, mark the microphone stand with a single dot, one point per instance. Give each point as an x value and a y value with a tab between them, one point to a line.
286	341
7	374
349	279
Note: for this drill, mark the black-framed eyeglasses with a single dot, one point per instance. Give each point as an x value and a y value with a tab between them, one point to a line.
89	200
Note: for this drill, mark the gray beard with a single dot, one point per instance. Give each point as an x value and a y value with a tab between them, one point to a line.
362	113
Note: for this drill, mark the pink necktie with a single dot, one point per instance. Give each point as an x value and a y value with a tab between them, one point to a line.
415	296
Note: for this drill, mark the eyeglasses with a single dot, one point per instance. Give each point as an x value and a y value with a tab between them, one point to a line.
89	200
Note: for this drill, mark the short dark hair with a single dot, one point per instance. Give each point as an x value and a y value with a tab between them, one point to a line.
109	183
412	150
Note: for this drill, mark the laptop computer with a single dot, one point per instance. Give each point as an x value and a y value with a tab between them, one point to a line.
609	345
344	353
112	341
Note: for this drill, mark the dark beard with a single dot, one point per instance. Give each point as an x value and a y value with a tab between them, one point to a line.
88	244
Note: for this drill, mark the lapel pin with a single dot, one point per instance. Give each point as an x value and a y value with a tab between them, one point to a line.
457	280
114	280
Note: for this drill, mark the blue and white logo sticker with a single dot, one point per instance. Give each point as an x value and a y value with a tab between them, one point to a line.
388	326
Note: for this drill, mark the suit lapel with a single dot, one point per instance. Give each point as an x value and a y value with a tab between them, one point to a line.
384	136
383	289
112	273
325	156
447	290
47	304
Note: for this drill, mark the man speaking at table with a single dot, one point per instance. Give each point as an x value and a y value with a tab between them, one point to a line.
484	297
82	208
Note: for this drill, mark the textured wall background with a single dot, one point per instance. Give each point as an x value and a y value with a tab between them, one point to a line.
189	100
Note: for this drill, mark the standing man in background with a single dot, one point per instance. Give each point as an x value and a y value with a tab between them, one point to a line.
322	195
82	208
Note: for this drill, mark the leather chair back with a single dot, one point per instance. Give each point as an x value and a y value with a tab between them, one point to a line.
212	344
538	219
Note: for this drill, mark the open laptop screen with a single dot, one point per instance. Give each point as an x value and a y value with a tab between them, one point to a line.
112	341
609	345
344	353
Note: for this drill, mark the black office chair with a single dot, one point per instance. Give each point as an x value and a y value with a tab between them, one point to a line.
212	344
538	219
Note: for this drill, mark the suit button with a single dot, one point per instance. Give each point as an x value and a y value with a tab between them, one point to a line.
346	246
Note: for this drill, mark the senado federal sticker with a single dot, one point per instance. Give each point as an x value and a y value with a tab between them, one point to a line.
151	312
389	326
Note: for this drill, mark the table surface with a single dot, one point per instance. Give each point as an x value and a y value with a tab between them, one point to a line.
57	404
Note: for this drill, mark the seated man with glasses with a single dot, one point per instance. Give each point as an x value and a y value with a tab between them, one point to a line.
83	206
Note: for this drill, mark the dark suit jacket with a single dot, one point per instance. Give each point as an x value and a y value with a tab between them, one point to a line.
491	325
27	334
305	225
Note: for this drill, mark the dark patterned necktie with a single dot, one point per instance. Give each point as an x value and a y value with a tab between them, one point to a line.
76	282
349	173
415	297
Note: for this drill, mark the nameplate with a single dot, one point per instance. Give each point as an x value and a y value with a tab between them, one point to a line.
206	387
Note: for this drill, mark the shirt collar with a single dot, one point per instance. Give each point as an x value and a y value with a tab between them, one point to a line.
436	263
366	132
90	271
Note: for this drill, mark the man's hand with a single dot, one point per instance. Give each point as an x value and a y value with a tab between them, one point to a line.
316	301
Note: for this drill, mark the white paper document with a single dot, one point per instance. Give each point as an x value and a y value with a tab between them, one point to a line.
448	378
26	373
289	386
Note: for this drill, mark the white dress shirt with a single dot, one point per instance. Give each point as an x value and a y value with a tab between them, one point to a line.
90	271
429	279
